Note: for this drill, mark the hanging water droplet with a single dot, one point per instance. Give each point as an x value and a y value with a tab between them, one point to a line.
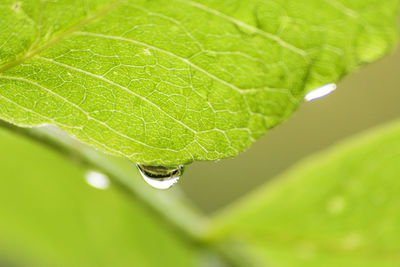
97	180
320	92
160	177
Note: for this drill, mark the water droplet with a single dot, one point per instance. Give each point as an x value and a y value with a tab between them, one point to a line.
320	92
160	177
97	180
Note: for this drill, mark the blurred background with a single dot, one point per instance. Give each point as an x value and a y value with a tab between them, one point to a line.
362	100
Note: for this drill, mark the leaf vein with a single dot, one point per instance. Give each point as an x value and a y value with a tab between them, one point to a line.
246	26
79	108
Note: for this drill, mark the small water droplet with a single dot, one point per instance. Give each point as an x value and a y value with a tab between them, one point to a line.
320	92
97	180
160	177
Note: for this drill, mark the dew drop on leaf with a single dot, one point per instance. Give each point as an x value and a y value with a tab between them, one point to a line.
320	92
160	177
97	180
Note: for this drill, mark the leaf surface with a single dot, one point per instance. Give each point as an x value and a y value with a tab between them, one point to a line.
168	82
337	208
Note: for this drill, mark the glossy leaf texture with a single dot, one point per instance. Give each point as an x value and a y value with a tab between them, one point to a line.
169	82
50	216
337	208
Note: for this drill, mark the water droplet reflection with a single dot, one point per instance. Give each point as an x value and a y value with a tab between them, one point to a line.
97	180
160	177
320	92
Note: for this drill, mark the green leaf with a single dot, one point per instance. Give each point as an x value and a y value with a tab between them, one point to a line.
168	82
337	208
51	217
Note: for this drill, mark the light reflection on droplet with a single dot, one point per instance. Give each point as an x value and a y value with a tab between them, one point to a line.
97	180
160	177
320	92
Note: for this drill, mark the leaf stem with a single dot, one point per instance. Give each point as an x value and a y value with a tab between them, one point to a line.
171	206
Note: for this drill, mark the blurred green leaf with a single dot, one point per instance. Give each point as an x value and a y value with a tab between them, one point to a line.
168	82
337	208
49	216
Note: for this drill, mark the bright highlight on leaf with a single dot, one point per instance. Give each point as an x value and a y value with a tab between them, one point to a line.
320	92
169	82
97	180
